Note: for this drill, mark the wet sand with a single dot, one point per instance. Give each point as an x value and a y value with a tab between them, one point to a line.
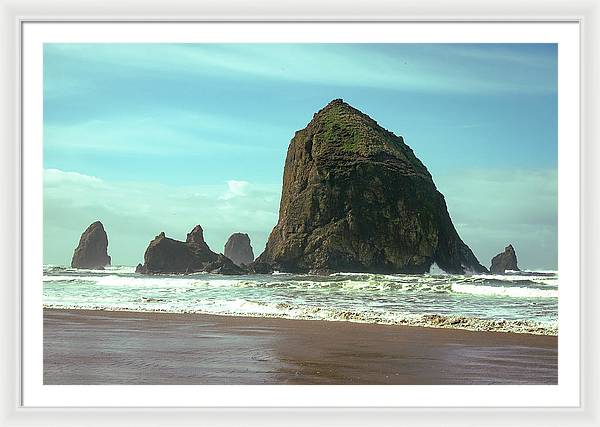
102	347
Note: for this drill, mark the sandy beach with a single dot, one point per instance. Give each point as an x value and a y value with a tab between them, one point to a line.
101	347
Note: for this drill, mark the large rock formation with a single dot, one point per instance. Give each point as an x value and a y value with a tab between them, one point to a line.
92	249
356	198
504	261
165	255
238	249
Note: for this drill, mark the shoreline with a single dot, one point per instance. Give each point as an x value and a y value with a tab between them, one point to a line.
441	324
127	347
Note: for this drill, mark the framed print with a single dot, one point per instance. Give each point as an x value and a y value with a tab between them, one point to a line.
330	216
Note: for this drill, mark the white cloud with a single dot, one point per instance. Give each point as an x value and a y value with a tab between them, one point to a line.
235	189
54	177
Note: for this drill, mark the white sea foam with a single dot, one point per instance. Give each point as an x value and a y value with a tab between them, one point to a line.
512	291
60	278
435	269
544	280
121	269
280	273
348	274
286	311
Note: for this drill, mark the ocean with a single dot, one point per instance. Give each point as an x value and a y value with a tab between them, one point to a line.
520	302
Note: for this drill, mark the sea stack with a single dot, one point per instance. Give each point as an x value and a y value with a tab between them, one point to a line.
169	256
504	261
238	249
355	198
92	249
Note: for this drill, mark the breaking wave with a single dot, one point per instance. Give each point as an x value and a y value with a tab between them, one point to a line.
287	311
523	302
524	287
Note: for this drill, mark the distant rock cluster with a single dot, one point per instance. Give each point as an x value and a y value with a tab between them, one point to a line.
169	256
166	255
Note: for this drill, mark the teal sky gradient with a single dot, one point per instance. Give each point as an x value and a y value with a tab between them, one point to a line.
160	137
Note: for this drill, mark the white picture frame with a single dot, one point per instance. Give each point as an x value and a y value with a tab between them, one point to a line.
14	14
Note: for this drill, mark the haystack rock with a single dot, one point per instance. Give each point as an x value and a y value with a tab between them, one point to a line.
504	261
238	249
165	255
92	249
355	198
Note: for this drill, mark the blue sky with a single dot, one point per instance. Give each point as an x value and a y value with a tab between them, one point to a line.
160	137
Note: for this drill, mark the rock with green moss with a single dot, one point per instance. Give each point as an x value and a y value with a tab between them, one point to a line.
355	198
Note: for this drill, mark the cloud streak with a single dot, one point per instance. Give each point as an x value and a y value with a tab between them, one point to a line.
158	133
411	67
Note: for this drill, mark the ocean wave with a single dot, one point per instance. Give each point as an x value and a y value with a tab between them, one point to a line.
516	278
475	285
68	279
349	274
505	291
436	270
240	307
475	302
118	269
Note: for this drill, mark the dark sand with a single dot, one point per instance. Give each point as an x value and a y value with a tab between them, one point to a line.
101	347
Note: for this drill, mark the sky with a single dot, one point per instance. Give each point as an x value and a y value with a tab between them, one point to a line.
161	137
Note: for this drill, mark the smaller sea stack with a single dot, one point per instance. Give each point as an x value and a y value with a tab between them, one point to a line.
169	256
92	249
238	249
504	261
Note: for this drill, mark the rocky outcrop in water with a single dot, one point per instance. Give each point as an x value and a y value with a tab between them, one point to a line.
258	267
356	198
223	265
504	261
238	249
165	255
92	249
